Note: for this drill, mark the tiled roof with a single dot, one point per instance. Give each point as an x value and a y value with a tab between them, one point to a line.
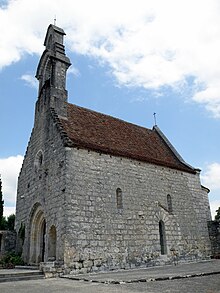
102	133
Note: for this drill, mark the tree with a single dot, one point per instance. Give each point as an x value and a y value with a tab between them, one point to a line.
11	222
5	224
1	206
217	216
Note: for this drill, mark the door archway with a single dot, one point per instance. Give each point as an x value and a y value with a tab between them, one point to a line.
37	235
162	233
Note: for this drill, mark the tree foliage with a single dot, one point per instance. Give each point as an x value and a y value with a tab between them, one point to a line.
11	222
217	216
8	223
1	207
5	223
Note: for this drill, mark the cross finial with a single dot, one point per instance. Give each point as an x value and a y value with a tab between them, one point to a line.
55	20
155	120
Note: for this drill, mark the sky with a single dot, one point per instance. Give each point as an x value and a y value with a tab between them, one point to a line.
130	59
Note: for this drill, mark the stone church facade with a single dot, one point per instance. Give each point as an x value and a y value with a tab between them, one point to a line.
98	193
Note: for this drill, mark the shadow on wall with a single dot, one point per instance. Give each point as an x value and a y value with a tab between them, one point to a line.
214	235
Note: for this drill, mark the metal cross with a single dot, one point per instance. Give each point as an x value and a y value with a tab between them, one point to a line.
155	120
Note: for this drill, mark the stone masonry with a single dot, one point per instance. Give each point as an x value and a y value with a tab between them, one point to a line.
214	233
100	235
89	202
7	242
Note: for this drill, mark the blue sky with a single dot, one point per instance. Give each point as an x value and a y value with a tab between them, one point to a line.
128	63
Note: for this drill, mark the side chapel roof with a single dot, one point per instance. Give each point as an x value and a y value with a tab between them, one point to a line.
102	133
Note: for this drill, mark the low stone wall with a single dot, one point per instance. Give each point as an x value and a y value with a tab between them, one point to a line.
214	234
52	269
7	241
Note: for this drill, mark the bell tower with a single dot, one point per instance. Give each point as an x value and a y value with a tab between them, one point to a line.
51	73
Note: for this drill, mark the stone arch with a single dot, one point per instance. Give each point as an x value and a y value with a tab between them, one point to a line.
171	228
52	242
37	234
161	214
48	71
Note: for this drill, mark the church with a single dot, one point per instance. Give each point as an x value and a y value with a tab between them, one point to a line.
97	193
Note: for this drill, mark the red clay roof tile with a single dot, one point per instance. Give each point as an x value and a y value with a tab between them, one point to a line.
99	132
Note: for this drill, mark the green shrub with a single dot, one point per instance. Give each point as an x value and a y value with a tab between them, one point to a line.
10	260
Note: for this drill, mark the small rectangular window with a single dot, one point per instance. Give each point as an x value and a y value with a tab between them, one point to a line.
119	199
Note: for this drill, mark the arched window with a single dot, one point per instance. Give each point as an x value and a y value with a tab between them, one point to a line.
119	198
48	71
38	160
169	204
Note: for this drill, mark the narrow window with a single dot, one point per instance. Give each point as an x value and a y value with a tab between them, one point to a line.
163	248
169	204
38	160
119	199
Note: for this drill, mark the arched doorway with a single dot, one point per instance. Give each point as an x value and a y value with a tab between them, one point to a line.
163	246
52	243
37	235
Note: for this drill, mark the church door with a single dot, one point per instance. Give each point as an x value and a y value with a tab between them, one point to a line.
163	247
37	236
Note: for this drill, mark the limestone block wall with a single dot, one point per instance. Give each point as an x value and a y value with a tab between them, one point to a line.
104	233
41	189
214	233
7	241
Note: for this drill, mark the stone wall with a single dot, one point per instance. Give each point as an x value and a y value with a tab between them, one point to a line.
7	241
102	236
41	188
75	192
214	233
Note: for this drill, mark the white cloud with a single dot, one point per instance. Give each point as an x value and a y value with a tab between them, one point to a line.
214	205
9	211
30	80
74	71
149	44
9	170
211	177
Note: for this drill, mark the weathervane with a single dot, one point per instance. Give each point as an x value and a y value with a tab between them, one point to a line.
155	120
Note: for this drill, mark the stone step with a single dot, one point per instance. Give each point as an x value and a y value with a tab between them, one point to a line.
20	276
28	267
